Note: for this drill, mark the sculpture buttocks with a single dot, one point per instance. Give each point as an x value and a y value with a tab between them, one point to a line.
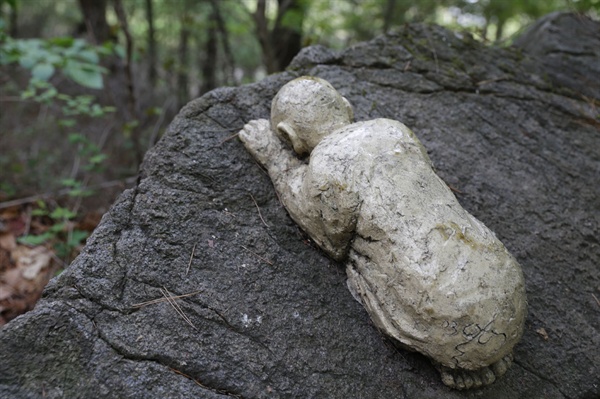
429	274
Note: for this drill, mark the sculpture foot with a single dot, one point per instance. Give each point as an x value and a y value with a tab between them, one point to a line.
468	379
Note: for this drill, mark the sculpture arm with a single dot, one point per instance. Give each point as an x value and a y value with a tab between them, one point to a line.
322	208
266	147
286	171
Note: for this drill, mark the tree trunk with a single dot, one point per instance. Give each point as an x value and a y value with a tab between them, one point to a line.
132	103
182	71
286	37
388	15
500	28
281	44
94	14
151	43
264	37
13	29
227	54
209	67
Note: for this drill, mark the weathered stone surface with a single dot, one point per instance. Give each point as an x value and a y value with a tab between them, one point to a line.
520	147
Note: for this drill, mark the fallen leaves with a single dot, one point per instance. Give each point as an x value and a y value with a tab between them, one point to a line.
24	272
29	241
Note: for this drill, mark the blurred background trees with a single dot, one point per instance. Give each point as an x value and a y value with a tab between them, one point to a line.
87	86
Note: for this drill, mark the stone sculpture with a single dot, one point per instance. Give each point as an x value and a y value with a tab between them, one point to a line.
430	275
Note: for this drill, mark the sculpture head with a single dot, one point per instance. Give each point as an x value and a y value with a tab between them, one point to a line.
306	110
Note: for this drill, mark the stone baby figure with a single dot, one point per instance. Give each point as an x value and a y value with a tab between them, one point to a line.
430	275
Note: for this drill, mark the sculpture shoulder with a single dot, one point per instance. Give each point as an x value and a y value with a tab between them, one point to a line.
370	138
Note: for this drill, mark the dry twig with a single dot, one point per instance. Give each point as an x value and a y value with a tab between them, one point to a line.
163	299
258	256
456	190
191	257
229	138
257	208
176	306
597	301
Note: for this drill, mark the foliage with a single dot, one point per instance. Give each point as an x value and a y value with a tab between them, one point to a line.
59	234
341	23
80	62
74	57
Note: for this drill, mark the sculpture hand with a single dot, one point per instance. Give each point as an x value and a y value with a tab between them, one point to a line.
261	141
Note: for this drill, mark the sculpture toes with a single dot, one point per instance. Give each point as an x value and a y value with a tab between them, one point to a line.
469	379
447	377
487	377
477	381
501	366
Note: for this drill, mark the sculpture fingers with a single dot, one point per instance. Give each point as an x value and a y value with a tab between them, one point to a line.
258	139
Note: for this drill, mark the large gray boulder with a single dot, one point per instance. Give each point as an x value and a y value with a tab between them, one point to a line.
516	138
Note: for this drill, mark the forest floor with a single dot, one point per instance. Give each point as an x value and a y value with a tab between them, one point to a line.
50	198
36	246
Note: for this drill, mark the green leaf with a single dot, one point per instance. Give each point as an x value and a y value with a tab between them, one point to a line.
81	192
8	189
62	41
99	158
120	50
67	122
62	213
34	240
76	138
96	110
83	75
55	59
70	183
153	111
43	71
27	61
89	56
28	93
47	95
39	212
62	250
57	228
77	236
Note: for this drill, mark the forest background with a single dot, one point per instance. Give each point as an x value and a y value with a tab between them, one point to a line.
87	86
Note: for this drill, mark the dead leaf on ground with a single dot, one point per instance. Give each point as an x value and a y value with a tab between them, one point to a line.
13	220
8	241
24	272
542	333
